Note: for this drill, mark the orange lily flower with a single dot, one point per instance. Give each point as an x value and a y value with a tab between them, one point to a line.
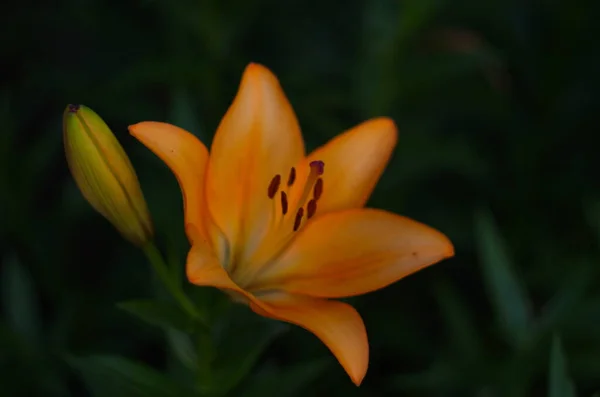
284	232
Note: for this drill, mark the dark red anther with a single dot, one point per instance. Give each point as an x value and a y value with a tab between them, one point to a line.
318	189
311	208
292	177
298	219
284	203
318	166
274	186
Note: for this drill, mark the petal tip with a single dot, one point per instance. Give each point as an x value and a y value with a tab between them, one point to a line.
385	122
384	128
449	251
135	129
257	74
357	378
388	126
254	68
132	128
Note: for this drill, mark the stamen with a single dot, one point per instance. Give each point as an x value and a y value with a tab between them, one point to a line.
317	166
274	186
316	169
318	189
292	177
311	208
284	203
298	219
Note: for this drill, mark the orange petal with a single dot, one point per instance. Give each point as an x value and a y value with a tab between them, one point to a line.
337	324
187	157
354	162
203	268
258	138
353	252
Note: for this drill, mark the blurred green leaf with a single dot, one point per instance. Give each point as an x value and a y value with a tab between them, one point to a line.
505	290
559	383
463	331
162	314
184	349
565	302
19	300
112	376
291	381
239	351
442	374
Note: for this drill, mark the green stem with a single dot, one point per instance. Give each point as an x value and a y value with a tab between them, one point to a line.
161	269
205	358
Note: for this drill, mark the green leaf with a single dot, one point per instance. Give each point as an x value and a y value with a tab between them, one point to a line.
183	348
159	313
113	376
567	300
441	374
508	298
239	352
290	382
559	383
461	327
19	300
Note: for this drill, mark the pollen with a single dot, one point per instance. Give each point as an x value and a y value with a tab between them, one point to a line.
299	202
298	219
318	189
311	208
274	186
292	177
284	203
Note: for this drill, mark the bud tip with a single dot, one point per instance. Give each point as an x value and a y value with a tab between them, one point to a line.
73	108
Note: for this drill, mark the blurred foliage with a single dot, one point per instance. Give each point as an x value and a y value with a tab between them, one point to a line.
496	103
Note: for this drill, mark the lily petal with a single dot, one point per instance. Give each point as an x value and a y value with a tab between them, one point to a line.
258	138
337	324
187	158
354	162
203	269
353	252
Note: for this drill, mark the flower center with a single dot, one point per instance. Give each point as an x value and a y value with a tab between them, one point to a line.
292	207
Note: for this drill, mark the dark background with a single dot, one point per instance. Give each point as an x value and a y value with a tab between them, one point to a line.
497	110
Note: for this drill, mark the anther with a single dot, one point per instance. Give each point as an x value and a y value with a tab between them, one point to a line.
298	219
292	177
311	208
318	166
318	189
274	186
284	203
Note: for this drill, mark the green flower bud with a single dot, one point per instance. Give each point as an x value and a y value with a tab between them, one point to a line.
104	173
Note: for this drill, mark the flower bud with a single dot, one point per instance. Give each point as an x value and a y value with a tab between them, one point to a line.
104	173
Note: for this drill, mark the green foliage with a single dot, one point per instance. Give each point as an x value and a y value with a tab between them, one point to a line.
166	315
496	104
116	376
559	383
507	296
